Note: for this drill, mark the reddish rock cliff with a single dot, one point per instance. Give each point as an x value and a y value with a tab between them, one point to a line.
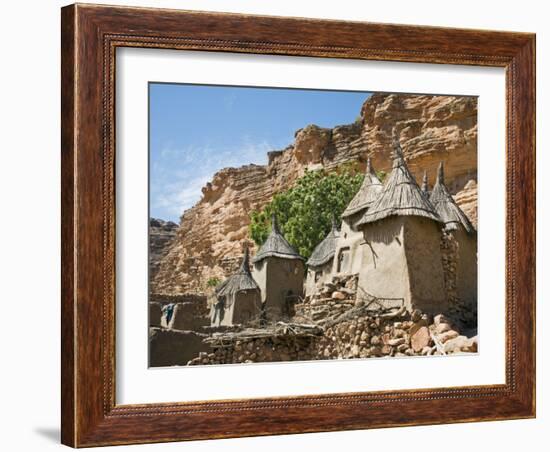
432	128
161	235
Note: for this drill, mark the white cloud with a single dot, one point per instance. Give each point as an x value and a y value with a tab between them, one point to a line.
178	174
178	197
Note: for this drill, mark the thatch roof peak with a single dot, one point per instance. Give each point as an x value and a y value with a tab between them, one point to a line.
397	154
401	194
425	188
240	281
446	207
440	174
368	169
276	245
367	193
274	223
245	264
325	250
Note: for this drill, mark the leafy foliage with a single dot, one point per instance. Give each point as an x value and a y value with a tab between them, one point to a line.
305	211
213	282
381	175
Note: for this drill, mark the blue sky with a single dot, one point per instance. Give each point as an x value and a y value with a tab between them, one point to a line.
196	130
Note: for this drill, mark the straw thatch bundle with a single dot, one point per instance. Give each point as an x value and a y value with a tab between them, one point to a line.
238	282
325	250
401	195
276	245
367	194
446	207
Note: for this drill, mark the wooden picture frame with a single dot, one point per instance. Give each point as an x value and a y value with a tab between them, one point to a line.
90	36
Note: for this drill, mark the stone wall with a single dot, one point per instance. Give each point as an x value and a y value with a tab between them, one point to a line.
174	347
260	350
175	341
190	312
462	308
177	298
155	314
449	258
188	316
341	323
360	336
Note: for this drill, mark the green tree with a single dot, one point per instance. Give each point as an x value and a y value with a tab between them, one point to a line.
305	211
213	282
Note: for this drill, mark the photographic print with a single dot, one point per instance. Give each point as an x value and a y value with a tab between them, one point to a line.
299	225
296	200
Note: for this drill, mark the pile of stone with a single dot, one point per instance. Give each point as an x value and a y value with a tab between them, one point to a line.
356	333
447	338
335	297
399	334
340	322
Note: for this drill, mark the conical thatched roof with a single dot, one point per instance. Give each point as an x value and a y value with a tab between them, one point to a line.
276	245
425	188
446	207
367	194
239	281
401	194
325	250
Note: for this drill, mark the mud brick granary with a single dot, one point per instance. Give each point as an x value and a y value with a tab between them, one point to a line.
279	271
238	298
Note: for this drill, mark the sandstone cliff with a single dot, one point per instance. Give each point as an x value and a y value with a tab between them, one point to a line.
161	235
432	128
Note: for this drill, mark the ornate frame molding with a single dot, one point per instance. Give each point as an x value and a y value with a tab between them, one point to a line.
90	36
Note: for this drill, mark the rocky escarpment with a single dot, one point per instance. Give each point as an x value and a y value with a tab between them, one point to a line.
432	128
467	200
161	235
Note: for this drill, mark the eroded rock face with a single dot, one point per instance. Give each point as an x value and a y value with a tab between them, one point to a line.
467	200
432	128
310	144
161	235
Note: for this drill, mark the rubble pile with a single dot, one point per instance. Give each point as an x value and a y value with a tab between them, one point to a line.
335	297
396	333
358	332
